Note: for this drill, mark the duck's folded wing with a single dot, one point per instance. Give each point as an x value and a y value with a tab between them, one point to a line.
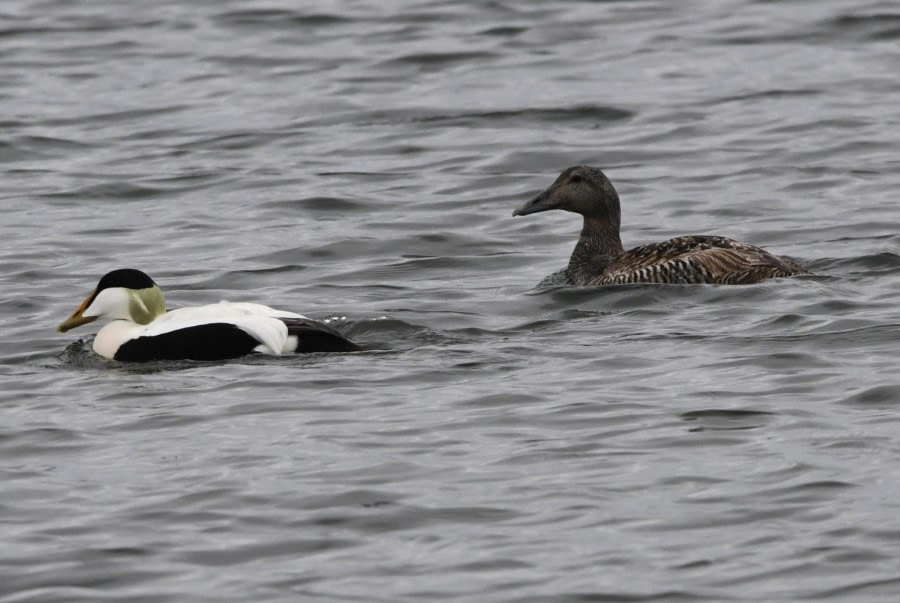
253	319
276	331
699	259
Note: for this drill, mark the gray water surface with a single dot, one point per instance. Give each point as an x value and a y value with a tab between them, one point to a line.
359	162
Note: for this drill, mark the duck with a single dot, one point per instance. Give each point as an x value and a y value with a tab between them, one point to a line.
600	259
142	330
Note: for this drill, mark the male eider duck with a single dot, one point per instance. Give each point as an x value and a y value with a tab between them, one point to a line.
600	259
142	330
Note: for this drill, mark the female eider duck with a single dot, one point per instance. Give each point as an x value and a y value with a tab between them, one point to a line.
600	259
142	330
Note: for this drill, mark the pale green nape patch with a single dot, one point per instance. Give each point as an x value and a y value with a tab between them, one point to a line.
144	305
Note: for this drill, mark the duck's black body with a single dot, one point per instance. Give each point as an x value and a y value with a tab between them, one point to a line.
600	259
222	341
142	330
215	341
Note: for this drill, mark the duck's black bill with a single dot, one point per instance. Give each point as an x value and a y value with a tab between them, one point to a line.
539	203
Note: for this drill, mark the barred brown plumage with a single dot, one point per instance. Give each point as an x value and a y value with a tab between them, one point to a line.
600	259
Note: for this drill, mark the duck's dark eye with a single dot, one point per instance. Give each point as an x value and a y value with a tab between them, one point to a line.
576	179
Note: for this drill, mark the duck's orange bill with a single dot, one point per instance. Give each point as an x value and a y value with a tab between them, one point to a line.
76	320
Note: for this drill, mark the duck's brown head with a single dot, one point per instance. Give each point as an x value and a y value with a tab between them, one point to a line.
581	189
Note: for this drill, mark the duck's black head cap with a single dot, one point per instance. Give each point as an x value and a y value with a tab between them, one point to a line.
129	278
581	189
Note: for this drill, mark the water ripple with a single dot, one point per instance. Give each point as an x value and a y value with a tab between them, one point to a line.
495	440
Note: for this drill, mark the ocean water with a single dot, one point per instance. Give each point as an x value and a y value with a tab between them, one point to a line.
496	441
